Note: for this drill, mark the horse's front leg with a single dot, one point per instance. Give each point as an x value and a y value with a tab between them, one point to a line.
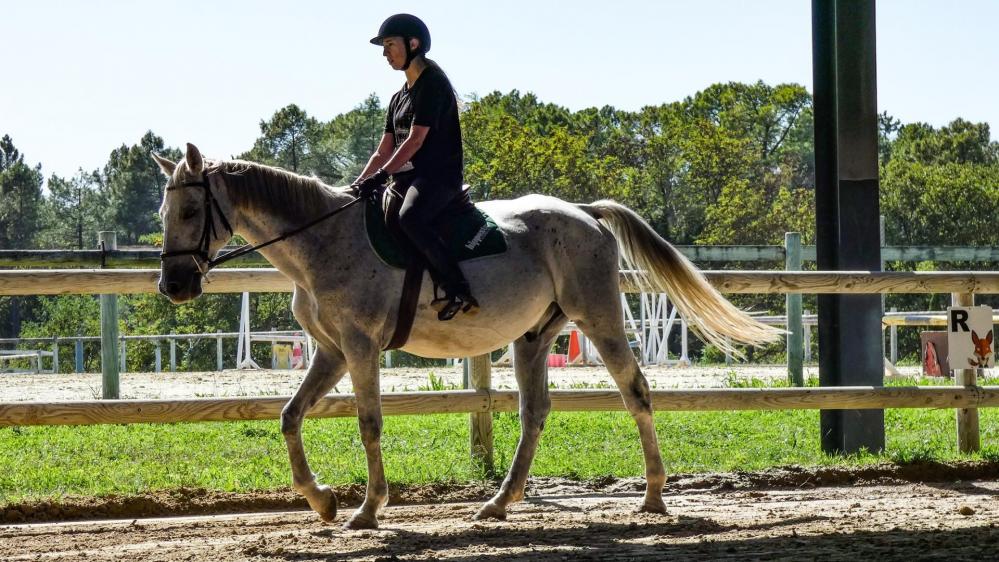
328	366
362	359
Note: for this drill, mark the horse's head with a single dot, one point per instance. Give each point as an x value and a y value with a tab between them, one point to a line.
194	228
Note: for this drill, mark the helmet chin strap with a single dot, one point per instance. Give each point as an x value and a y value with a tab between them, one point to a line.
410	53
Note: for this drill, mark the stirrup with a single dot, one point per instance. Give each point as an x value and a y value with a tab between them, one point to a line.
439	303
461	302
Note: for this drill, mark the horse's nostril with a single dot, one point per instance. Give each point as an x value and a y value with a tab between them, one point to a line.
172	287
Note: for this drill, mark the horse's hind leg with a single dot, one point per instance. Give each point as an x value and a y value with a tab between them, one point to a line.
602	322
531	370
327	367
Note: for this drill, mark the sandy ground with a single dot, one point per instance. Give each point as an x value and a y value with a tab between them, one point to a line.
710	517
283	383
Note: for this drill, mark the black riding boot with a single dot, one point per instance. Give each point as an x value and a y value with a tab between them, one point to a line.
458	296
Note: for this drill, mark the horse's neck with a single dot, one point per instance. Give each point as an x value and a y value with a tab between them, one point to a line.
293	255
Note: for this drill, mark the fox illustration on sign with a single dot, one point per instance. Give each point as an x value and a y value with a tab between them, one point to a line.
969	337
982	351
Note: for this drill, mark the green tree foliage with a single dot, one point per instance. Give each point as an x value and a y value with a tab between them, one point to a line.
354	136
939	187
20	197
514	145
751	159
133	189
293	140
20	208
72	210
940	204
960	142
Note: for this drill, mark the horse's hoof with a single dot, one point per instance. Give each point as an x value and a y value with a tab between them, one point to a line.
325	505
491	511
361	520
653	506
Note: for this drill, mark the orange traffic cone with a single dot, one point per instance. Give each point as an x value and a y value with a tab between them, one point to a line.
575	351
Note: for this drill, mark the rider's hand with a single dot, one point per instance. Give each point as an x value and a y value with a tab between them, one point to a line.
369	186
355	185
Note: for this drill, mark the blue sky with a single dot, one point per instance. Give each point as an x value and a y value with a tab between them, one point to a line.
80	78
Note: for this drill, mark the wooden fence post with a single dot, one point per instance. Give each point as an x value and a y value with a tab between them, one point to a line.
109	330
795	338
478	376
968	439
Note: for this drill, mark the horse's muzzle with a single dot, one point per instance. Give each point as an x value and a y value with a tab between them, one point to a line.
180	288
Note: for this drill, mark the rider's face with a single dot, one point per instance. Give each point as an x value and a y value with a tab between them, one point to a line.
394	51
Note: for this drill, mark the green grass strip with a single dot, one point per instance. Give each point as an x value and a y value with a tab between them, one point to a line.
44	462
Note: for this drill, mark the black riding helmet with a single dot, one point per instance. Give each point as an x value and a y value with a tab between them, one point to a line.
408	27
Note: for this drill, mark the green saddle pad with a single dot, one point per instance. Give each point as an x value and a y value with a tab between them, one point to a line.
472	234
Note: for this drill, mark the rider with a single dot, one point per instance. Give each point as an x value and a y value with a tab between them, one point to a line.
421	151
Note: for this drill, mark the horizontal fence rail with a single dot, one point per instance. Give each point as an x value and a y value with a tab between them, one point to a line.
267	280
145	257
476	401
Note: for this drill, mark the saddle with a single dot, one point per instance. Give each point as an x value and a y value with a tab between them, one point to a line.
467	232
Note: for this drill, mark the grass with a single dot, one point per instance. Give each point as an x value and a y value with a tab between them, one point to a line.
42	462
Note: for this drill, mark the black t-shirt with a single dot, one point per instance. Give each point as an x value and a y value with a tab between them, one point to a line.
431	103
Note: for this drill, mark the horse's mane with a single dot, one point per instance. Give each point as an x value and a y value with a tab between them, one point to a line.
260	187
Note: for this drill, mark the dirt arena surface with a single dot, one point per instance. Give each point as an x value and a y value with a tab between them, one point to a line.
87	386
874	513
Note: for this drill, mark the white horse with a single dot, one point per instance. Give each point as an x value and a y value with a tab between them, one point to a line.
561	264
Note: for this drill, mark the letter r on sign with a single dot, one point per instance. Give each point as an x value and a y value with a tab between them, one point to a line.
959	318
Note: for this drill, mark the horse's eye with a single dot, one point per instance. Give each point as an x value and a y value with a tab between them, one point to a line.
188	213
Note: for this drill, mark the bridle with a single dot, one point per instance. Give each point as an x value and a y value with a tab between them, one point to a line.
209	233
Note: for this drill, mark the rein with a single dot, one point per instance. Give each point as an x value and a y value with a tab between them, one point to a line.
208	232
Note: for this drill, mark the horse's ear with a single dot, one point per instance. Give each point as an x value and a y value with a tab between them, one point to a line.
195	163
166	166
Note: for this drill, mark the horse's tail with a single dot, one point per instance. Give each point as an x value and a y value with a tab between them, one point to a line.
662	268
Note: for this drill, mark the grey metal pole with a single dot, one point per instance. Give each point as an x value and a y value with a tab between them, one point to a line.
795	339
78	355
218	351
847	211
893	337
173	355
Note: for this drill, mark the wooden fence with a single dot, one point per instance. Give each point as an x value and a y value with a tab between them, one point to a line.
482	400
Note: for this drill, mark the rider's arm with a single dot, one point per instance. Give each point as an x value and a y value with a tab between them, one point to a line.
417	134
380	156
